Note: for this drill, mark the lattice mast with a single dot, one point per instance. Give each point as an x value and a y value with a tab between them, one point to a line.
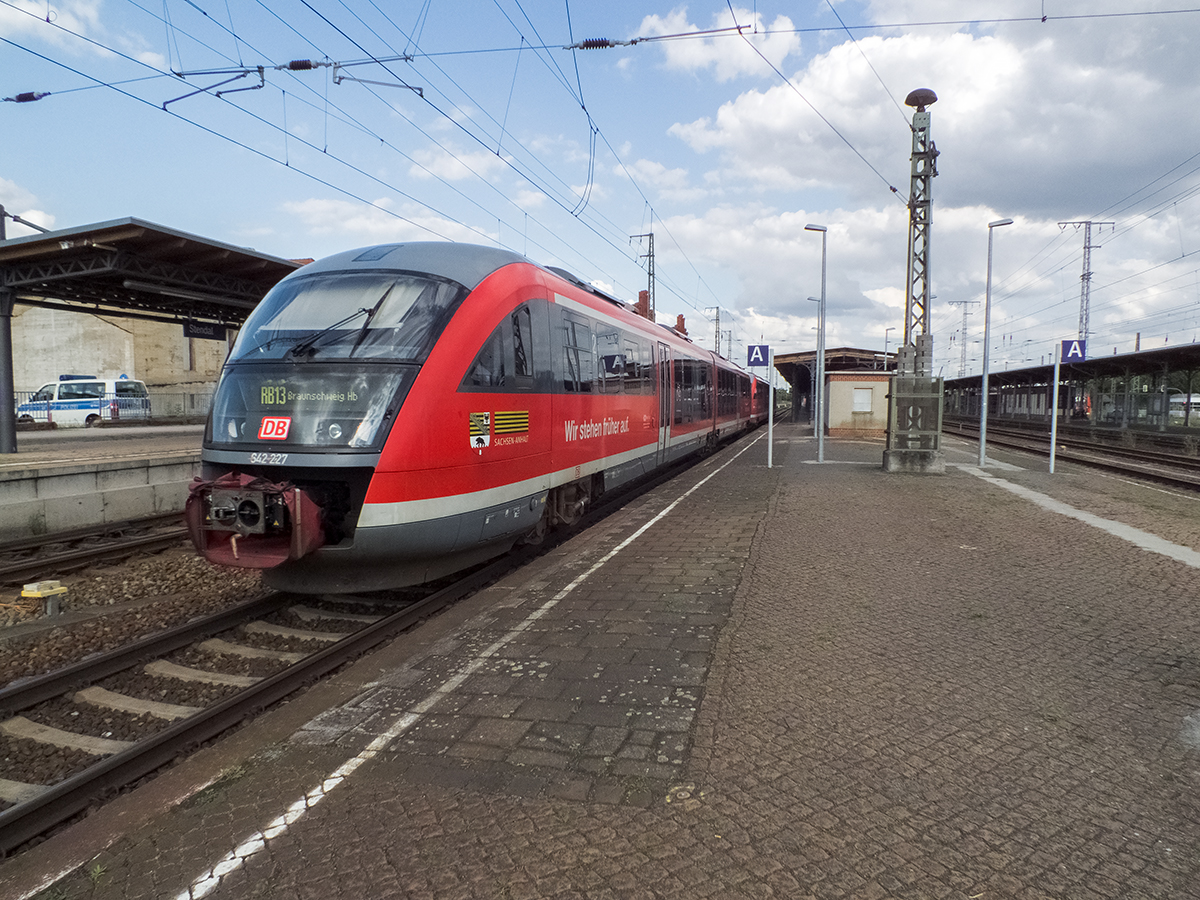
916	355
966	305
716	329
1085	286
649	257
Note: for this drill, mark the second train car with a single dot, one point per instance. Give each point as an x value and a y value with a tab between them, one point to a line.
392	414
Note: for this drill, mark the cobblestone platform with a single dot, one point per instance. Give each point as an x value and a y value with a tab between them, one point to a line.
806	681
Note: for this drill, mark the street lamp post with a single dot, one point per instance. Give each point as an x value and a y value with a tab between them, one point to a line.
987	335
820	350
885	344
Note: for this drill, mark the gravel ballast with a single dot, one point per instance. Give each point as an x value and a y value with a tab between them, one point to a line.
118	604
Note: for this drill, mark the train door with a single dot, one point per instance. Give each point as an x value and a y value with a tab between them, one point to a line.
664	401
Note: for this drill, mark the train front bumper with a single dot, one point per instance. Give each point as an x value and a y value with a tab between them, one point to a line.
252	522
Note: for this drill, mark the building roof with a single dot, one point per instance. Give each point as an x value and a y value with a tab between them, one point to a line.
1179	358
130	267
798	368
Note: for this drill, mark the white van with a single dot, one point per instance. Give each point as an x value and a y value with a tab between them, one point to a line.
86	400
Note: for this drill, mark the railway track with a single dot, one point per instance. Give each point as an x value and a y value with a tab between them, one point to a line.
271	639
171	729
1172	469
54	554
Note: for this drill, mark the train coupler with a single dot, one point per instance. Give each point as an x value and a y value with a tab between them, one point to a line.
252	522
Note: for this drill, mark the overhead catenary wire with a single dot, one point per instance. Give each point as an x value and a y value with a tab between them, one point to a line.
845	140
351	194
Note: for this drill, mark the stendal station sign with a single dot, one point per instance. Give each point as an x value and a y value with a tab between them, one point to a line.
207	330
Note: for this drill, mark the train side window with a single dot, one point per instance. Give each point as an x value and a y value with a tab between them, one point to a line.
579	351
522	334
505	361
612	362
488	369
683	404
633	368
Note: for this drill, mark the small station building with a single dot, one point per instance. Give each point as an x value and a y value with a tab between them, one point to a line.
856	389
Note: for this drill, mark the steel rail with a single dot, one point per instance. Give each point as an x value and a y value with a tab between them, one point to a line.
73	559
39	688
73	795
97	531
1094	457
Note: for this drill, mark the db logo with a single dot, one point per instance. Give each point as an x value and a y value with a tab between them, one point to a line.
274	428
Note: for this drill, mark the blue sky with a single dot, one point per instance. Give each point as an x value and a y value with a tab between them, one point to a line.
724	144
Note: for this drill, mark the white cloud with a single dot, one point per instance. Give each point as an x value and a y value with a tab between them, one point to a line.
455	165
672	185
655	173
26	18
728	56
1023	125
17	201
527	199
56	23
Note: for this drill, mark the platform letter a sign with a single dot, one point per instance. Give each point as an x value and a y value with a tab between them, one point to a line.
758	354
1074	351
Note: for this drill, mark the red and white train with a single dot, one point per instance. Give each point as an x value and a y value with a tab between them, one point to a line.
392	414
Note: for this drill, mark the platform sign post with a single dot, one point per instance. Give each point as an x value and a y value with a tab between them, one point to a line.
1054	402
761	355
770	407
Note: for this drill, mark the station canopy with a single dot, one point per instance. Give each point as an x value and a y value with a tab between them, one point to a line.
799	368
1157	362
133	268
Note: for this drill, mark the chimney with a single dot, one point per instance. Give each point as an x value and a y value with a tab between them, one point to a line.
679	326
642	307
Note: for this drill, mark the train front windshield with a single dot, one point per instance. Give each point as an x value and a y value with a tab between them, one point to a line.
351	315
326	361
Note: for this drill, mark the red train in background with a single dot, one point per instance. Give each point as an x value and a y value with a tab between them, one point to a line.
392	414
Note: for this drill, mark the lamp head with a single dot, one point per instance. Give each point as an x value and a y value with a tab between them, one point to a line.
921	98
814	228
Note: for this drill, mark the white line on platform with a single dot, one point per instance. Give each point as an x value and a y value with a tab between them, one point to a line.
1136	536
236	858
1150	487
842	462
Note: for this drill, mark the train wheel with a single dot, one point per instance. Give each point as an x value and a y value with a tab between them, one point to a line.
568	503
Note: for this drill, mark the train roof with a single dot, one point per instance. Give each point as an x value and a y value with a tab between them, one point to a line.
468	264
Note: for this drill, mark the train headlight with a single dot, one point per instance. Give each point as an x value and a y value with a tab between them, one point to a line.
335	431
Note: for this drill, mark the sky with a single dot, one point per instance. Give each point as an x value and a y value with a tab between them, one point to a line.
721	128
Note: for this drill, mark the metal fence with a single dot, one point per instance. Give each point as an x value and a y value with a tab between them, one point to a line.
161	405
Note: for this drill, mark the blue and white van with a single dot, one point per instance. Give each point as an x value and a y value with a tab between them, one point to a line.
86	400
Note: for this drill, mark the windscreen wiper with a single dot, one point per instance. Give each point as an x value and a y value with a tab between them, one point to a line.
362	332
309	342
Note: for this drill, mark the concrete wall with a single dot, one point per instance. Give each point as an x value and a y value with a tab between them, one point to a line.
64	497
48	343
843	420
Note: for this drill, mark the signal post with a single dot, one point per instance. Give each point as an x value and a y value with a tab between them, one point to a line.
914	435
